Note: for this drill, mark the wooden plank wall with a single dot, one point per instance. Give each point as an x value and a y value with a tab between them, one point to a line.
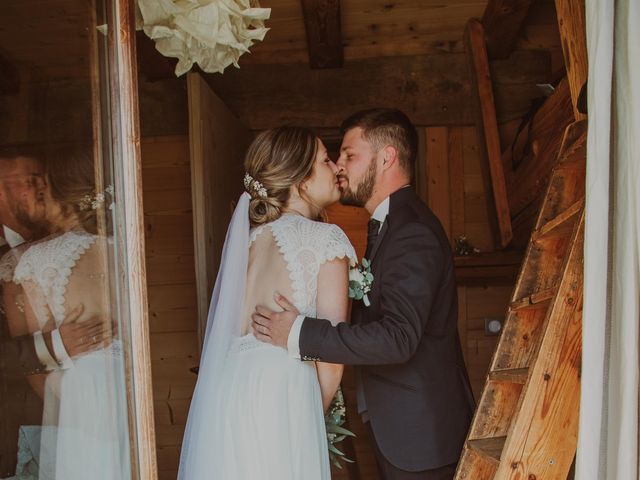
172	290
449	177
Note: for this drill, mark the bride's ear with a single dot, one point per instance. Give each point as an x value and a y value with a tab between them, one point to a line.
301	188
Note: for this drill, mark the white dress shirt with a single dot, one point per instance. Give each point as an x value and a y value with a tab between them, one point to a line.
381	212
11	237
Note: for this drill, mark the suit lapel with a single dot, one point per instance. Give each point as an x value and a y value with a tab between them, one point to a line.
376	246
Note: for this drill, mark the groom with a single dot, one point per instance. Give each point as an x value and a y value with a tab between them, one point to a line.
412	386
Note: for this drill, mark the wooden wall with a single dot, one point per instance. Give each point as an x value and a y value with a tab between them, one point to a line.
171	283
449	178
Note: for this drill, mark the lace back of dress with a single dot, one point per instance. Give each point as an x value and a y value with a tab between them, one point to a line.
267	274
285	257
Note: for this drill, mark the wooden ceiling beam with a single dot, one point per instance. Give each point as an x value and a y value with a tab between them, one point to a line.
324	33
502	22
537	148
487	124
431	89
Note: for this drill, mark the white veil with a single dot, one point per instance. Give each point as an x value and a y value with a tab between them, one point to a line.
223	325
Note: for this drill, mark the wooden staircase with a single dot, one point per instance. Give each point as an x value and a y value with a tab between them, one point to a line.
526	424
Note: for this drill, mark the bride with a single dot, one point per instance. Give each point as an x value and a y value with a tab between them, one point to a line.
274	245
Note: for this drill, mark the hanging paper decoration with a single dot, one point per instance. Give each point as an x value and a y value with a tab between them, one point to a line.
211	33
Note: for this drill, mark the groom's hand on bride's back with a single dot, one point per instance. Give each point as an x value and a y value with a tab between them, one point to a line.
274	327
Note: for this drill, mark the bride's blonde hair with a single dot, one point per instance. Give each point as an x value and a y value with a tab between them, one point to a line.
278	158
71	178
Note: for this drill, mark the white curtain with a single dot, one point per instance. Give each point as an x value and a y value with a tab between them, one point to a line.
608	436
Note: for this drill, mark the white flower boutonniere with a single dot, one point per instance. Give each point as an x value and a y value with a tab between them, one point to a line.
360	281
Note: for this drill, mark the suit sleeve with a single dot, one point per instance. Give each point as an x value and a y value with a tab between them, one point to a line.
413	269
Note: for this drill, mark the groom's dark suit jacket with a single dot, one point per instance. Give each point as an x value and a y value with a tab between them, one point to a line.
406	343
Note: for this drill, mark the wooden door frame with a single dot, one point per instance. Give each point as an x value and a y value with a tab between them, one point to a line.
210	186
198	201
123	87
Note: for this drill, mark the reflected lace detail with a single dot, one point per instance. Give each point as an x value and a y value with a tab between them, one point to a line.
8	266
115	350
9	261
49	264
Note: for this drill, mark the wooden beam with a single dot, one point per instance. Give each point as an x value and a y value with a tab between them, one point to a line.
217	143
571	23
538	146
434	90
502	21
129	216
487	125
500	268
324	33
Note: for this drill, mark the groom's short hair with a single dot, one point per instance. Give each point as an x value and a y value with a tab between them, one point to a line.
387	126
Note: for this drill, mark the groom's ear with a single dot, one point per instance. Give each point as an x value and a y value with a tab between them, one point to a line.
389	157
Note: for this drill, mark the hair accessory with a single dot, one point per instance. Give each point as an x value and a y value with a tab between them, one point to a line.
93	202
254	187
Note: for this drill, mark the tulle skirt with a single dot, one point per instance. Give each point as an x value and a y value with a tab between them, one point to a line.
270	421
88	406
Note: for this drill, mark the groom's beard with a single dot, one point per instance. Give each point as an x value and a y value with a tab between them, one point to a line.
37	226
363	191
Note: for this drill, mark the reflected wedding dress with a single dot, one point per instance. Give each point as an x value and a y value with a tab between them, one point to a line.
86	402
262	419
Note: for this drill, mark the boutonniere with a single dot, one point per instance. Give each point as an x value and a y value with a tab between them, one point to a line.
360	281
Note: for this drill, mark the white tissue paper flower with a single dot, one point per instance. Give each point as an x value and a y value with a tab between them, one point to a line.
211	33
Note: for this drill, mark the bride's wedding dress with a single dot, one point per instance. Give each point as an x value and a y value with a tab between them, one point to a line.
265	419
85	416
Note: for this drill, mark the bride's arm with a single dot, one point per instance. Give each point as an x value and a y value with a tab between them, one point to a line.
333	303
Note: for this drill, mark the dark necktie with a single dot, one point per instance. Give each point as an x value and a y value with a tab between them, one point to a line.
372	235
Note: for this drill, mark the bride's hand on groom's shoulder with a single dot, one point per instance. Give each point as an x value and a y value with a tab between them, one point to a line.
274	327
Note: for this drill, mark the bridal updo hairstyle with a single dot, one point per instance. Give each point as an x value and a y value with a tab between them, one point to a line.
71	177
278	158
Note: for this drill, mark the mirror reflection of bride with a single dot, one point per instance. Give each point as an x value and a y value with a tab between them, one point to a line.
67	270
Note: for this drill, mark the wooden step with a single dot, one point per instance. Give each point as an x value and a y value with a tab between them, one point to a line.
488	448
513	375
562	224
535	300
